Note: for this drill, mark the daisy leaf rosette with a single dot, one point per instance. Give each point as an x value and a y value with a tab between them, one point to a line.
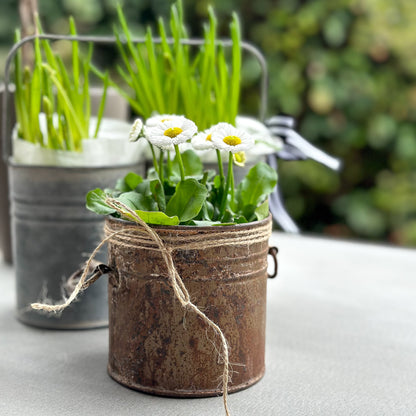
226	137
169	131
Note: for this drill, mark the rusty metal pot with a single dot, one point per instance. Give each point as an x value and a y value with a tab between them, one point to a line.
159	348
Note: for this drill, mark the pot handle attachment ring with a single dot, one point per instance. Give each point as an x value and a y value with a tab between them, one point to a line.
99	271
273	252
96	270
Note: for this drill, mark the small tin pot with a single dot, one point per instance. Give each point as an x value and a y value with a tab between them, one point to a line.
155	345
53	234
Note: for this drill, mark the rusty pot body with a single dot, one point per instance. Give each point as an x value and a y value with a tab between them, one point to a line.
158	347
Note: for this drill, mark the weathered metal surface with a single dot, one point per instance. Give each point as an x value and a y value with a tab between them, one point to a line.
53	234
156	346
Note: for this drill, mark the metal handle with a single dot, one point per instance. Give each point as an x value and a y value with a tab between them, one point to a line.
273	252
6	129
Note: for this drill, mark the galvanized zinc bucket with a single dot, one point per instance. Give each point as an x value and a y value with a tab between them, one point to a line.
53	234
158	347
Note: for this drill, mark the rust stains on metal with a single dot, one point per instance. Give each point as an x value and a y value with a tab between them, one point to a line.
158	347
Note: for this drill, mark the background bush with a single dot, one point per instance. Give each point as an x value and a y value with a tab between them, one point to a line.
346	70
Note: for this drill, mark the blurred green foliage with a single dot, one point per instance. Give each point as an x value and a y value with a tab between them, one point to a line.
346	70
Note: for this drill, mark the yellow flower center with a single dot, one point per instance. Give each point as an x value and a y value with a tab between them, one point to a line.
173	132
208	139
239	158
232	140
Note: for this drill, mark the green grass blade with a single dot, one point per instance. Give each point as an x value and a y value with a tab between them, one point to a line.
75	54
133	103
236	72
85	96
19	98
154	73
75	126
102	105
142	72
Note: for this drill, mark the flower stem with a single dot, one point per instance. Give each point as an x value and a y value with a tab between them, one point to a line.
220	168
230	180
155	164
179	157
161	173
232	185
169	164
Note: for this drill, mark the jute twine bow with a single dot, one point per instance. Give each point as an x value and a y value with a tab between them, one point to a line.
177	284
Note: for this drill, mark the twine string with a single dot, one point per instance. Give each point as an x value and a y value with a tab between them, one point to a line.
180	291
80	286
129	236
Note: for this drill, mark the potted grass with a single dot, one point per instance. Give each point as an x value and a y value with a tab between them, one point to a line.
59	152
198	78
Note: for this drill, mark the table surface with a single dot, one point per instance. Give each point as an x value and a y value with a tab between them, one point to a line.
341	340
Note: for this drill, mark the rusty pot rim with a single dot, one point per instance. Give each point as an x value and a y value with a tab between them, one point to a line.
195	227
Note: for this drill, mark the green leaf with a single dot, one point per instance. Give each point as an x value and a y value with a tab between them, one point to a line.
187	200
191	162
257	185
132	180
157	218
262	211
158	193
217	182
121	186
96	202
137	201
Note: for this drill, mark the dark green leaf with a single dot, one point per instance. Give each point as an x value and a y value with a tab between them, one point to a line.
96	202
187	201
257	185
191	162
136	201
262	211
121	186
132	180
158	194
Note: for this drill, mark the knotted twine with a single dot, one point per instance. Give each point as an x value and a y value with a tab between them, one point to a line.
180	291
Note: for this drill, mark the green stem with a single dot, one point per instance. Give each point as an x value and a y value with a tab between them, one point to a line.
220	168
169	164
232	187
155	165
161	173
179	157
230	179
204	178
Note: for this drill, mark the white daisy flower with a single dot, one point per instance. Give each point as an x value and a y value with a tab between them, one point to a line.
224	136
202	141
135	130
154	120
170	131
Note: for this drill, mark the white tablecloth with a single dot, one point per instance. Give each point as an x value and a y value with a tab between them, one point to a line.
341	340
